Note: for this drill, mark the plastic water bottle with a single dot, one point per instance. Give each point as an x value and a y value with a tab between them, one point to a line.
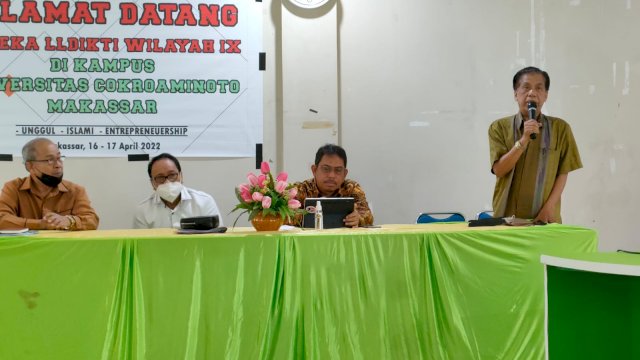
318	217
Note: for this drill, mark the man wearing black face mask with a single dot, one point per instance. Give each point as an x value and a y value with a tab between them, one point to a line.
42	200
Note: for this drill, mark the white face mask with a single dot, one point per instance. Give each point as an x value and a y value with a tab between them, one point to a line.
169	191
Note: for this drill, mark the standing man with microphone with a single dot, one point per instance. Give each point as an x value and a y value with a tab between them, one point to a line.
531	154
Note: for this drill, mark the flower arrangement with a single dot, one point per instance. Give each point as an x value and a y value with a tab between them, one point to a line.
266	195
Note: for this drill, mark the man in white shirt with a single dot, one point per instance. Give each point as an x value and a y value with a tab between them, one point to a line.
171	201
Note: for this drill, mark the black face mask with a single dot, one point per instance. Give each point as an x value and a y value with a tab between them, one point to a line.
49	180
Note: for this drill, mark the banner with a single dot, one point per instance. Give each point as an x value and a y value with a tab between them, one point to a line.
111	78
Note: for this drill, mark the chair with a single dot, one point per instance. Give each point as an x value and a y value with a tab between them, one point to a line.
431	217
487	214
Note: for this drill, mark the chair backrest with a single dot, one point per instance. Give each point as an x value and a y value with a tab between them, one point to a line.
431	217
487	214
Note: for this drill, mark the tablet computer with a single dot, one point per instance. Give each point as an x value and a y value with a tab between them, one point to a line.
334	210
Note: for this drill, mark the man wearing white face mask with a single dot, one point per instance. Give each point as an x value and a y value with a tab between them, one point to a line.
171	201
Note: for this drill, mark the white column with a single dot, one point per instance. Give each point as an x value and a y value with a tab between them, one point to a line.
309	85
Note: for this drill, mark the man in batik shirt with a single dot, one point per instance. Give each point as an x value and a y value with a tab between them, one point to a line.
329	180
531	173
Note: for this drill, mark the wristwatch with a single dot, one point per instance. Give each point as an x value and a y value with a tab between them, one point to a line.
72	222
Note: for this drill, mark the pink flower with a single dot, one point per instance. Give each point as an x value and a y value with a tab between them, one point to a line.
257	196
281	186
294	204
264	167
245	192
253	179
264	192
246	196
262	180
282	176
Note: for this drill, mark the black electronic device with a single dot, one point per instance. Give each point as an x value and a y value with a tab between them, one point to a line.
334	210
200	222
487	222
532	107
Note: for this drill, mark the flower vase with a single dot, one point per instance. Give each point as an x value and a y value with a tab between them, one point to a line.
266	222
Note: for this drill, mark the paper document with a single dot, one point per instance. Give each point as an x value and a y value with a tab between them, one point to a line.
15	231
514	221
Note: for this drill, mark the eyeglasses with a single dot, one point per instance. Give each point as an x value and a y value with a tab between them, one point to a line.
326	169
526	88
161	179
59	159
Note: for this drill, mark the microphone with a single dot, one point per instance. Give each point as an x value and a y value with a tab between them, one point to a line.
532	107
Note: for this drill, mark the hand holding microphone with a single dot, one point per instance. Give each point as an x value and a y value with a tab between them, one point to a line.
532	107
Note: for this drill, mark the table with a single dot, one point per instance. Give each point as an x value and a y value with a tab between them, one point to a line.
592	305
429	291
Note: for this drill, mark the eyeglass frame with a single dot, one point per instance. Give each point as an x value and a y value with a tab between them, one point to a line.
169	177
326	169
59	159
523	89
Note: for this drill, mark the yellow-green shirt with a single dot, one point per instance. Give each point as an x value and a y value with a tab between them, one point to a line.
524	190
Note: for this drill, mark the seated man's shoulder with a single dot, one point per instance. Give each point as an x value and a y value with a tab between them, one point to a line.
351	183
351	187
306	184
197	193
199	196
146	201
11	189
17	182
71	186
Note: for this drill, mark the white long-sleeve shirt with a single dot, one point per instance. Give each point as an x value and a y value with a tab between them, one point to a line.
153	213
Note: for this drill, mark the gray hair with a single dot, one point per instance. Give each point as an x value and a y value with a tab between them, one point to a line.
29	149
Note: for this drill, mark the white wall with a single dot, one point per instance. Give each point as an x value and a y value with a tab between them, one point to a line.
422	80
409	89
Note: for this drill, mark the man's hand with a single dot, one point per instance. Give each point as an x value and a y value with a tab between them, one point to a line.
530	127
353	219
53	221
508	161
546	215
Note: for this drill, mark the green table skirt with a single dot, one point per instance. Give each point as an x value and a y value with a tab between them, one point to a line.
437	291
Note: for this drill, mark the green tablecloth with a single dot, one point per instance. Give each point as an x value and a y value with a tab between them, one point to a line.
437	291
